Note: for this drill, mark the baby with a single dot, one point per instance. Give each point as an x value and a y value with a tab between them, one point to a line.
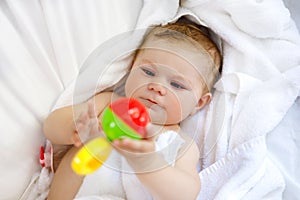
172	75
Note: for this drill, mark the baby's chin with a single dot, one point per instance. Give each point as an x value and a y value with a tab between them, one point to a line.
157	115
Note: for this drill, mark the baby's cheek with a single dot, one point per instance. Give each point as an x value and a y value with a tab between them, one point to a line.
175	109
188	103
130	88
133	87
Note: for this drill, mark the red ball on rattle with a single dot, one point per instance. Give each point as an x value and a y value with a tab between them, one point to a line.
125	117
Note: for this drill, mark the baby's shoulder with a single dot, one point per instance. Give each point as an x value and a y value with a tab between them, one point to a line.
190	143
106	96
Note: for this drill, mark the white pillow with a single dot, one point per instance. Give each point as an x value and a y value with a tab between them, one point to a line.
42	46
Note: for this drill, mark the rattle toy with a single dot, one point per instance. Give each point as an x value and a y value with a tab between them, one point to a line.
124	118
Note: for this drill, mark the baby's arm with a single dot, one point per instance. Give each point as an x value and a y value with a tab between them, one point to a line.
66	183
179	182
60	126
164	182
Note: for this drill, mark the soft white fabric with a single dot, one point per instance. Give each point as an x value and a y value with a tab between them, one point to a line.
43	44
260	83
38	188
28	91
283	144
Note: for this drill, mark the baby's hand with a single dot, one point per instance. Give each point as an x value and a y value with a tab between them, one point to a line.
86	125
141	154
139	146
137	152
128	145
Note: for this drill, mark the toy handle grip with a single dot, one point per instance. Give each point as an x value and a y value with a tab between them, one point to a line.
91	156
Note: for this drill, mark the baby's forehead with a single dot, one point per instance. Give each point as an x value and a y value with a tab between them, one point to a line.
198	58
196	55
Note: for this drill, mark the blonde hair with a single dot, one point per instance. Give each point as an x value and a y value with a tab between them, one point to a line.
196	35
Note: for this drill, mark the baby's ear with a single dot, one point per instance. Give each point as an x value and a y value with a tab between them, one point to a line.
204	100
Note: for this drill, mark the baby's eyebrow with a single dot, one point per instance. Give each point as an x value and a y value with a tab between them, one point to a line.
153	64
145	60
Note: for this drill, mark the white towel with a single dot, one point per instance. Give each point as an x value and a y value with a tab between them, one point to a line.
260	83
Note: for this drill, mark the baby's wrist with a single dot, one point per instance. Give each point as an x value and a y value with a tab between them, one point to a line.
146	162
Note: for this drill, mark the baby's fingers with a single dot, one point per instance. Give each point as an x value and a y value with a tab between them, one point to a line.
82	134
134	146
91	108
83	118
76	140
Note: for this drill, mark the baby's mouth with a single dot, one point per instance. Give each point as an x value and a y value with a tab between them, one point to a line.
153	105
151	101
148	102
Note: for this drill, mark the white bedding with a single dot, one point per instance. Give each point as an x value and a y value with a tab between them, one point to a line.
42	46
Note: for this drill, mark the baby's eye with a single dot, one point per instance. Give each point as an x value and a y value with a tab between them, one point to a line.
177	85
148	72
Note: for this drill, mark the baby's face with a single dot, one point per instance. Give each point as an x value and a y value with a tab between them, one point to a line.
166	83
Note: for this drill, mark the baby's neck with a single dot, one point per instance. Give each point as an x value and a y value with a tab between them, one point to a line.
173	127
158	129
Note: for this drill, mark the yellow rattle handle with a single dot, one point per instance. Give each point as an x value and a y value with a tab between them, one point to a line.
91	156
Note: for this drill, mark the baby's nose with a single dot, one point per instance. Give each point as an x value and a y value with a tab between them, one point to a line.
156	87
